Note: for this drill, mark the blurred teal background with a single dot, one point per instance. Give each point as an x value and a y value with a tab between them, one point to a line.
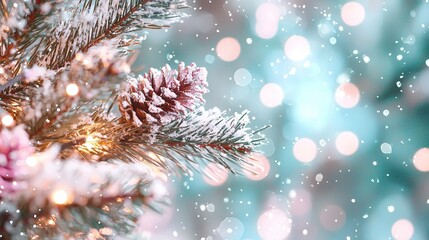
345	86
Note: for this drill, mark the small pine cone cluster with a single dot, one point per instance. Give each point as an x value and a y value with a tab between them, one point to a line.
162	96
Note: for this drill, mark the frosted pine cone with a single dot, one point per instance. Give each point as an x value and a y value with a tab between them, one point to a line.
14	147
160	97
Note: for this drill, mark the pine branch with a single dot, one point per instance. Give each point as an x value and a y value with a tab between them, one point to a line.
96	21
4	12
186	144
18	40
103	197
50	40
49	100
78	44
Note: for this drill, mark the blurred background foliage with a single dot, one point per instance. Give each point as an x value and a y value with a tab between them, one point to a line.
345	86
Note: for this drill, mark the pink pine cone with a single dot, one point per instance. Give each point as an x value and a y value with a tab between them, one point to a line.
14	147
160	97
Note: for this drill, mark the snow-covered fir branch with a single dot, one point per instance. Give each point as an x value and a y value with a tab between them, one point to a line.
24	26
54	93
186	144
75	112
72	197
50	33
86	23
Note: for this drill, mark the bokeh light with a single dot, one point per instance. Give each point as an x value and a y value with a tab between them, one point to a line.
72	89
332	217
271	95
300	202
421	160
7	120
402	229
347	143
260	167
32	161
266	30
386	148
228	49
268	12
231	229
267	18
61	196
297	48
305	150
215	174
274	224
353	13
242	77
347	95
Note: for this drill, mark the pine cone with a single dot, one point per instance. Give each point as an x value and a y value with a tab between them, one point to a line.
160	97
14	147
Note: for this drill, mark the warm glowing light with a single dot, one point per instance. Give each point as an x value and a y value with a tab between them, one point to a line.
215	174
402	229
72	89
271	95
260	168
61	197
90	142
228	49
305	150
347	95
347	143
7	120
353	13
421	160
32	161
297	48
332	217
274	224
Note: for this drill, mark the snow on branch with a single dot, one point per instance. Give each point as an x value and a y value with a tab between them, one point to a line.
63	149
186	144
91	22
68	196
23	26
210	136
54	93
50	33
